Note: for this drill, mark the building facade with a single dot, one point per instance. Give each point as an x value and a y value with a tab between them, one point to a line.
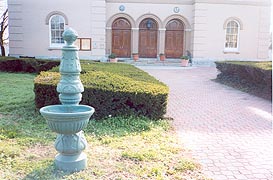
207	29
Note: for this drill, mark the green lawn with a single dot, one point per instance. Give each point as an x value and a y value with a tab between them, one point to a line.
119	148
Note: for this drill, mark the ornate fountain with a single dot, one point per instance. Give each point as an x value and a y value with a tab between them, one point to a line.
70	118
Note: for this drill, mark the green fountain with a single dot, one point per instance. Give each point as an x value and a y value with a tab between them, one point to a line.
70	118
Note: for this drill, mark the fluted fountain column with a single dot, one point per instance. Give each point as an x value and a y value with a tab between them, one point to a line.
70	86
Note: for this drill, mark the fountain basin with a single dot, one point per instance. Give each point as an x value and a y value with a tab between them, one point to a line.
67	119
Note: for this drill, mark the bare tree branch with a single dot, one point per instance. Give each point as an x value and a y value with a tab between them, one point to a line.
4	14
3	27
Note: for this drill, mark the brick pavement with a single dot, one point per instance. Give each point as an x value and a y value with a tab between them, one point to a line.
229	132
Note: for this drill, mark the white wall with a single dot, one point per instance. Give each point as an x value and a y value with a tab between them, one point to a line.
209	32
30	33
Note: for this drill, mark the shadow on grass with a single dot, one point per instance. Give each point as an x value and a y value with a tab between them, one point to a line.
48	172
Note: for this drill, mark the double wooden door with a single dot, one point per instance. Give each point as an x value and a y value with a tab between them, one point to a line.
174	39
148	31
121	37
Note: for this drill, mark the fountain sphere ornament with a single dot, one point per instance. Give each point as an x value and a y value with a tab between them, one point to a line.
70	36
70	118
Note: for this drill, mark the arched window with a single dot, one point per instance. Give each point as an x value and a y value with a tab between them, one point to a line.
56	26
232	35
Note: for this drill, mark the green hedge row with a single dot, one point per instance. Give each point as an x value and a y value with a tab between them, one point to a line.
252	77
28	65
112	89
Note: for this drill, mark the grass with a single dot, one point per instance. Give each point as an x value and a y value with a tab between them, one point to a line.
6	58
119	148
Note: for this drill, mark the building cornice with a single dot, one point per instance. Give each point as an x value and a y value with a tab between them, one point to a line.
236	2
185	2
190	2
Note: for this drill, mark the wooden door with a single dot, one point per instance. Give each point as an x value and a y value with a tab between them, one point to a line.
121	37
174	39
148	38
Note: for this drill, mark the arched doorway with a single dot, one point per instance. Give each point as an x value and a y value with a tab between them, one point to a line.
148	38
121	37
174	38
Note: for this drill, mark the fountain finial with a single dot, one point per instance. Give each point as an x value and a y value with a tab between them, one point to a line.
70	36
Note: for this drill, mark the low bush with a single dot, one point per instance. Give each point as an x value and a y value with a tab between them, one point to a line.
252	77
112	89
28	65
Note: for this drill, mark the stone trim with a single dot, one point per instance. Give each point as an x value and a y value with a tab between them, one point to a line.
233	19
120	15
54	48
149	15
176	16
162	29
56	13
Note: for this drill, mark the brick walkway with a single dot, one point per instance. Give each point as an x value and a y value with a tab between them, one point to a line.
228	131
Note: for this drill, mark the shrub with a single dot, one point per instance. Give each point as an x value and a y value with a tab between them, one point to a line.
112	56
184	57
253	77
112	89
29	65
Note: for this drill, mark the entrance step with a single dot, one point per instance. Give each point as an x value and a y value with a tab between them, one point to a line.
152	62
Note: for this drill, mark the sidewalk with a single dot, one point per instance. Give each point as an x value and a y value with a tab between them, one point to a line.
228	131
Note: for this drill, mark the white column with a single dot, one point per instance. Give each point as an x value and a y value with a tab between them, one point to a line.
135	39
161	42
108	48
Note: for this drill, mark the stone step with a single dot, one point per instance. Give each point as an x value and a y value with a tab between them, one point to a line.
152	62
167	62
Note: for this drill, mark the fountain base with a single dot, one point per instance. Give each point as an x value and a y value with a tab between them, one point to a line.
70	163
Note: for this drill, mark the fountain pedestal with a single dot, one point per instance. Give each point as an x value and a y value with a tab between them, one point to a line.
70	118
70	147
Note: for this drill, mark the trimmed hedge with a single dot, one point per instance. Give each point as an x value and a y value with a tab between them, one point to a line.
28	65
252	77
112	89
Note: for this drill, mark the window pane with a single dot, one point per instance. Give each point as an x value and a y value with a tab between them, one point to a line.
57	28
232	34
228	30
61	25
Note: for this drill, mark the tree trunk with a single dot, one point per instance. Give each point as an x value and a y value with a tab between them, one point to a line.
3	52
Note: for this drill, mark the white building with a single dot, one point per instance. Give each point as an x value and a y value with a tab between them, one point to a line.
208	29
